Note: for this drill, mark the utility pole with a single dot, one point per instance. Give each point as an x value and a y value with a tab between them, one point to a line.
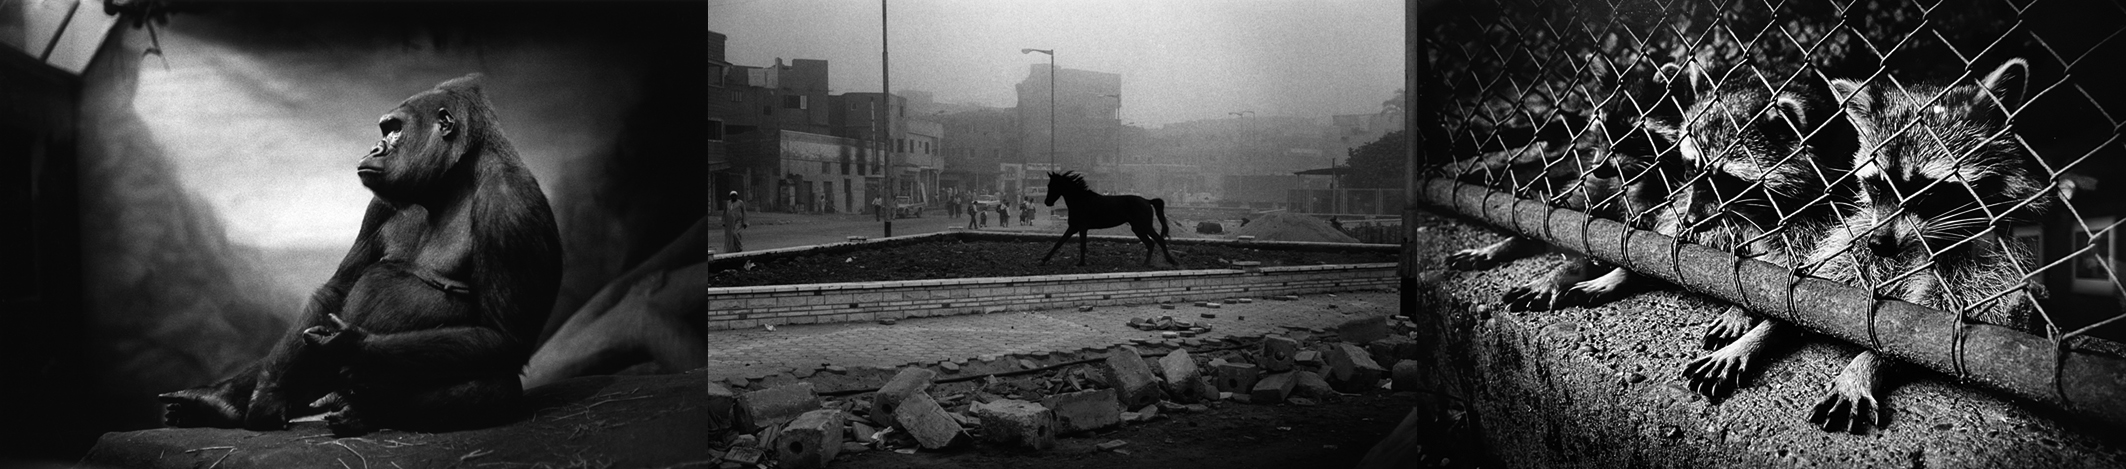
885	74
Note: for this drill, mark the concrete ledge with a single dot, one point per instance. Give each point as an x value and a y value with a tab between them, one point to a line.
744	307
1558	388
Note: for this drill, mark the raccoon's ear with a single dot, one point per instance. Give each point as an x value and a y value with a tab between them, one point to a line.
1684	77
2009	82
1795	112
1852	93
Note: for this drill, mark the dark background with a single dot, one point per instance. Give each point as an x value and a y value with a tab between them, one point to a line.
161	188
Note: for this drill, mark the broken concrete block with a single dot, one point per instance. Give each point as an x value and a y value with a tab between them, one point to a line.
1310	384
1237	377
1307	358
1084	410
1148	413
909	382
811	440
774	406
1393	348
1352	369
1110	445
1133	381
929	424
1408	376
1017	422
725	413
1363	330
1274	388
1277	353
1206	388
861	432
1182	375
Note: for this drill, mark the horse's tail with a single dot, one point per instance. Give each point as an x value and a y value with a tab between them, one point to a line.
1159	208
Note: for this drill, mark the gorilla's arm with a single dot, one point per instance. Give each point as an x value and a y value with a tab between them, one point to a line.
516	255
292	372
445	351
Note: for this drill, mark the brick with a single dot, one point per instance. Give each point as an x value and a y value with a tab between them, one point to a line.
1017	422
909	382
1274	388
811	440
725	413
926	421
1352	369
1277	353
1408	375
1084	410
1238	377
1182	375
1131	378
1363	330
1311	385
774	406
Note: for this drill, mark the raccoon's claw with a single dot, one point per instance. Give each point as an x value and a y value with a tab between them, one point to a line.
1472	259
1849	409
1726	327
1717	374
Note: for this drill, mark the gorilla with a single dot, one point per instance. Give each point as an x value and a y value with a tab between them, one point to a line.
431	316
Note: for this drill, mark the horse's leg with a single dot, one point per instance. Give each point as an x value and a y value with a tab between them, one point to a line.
1145	238
1059	244
1082	234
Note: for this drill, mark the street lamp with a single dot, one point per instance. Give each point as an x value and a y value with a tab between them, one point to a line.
1051	103
885	73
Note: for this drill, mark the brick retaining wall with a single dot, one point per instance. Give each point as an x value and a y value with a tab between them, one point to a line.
742	307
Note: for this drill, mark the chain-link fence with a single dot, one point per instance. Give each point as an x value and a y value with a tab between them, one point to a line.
1931	180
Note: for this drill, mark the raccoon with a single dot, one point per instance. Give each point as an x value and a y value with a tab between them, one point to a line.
1939	179
1615	168
1749	159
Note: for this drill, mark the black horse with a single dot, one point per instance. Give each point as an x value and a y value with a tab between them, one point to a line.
1091	211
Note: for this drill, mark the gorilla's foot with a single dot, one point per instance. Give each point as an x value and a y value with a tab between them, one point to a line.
206	406
347	422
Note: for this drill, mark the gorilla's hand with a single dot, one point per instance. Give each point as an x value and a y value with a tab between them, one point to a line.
338	340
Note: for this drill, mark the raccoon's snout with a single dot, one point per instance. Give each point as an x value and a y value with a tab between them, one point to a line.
1884	243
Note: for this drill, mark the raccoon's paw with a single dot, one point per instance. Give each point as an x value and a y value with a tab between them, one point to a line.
1850	408
1539	295
1727	327
1596	291
1716	374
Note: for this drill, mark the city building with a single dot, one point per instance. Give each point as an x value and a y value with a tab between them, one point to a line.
1087	126
978	142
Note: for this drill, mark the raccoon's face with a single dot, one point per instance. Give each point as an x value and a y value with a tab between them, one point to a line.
1745	154
1934	173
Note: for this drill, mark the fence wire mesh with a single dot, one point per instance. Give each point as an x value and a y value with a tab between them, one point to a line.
1961	155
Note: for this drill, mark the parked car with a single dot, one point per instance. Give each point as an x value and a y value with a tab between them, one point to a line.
986	202
903	207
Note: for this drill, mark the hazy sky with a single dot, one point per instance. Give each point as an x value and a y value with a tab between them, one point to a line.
1180	60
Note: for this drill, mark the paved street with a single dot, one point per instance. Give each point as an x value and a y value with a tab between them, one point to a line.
756	353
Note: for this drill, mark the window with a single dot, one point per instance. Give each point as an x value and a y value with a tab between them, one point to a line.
794	102
826	168
715	130
716	75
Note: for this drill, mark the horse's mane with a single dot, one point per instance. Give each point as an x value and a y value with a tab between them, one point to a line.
1074	180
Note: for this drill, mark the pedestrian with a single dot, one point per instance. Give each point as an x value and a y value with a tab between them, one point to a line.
1003	215
734	219
985	219
877	209
1026	214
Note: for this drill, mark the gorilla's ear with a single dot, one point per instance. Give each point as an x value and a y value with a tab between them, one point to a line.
448	123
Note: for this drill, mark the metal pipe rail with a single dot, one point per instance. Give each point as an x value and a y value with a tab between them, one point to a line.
2085	384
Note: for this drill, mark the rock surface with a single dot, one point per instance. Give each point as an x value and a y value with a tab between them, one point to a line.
600	421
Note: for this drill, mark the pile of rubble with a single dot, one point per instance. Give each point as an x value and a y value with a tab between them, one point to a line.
793	427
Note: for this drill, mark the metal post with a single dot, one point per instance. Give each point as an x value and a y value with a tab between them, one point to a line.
885	74
1414	66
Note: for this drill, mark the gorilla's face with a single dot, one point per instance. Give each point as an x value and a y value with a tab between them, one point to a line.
414	151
